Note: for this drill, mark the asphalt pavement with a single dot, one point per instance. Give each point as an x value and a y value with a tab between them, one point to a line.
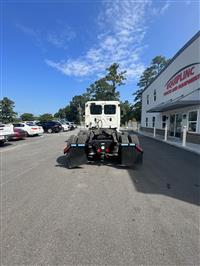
98	214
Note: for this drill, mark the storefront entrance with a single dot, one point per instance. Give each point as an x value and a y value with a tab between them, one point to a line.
175	125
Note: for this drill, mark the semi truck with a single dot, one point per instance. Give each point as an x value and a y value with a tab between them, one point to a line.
101	139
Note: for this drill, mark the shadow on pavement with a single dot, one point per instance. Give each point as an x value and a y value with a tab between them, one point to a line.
4	145
62	162
169	171
166	170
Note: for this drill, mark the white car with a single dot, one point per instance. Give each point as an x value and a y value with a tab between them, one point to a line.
30	128
6	131
65	126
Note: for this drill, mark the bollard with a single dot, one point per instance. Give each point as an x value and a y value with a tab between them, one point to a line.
154	131
138	127
184	136
165	139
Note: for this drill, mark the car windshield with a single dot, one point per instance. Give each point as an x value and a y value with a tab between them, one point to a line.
18	125
30	123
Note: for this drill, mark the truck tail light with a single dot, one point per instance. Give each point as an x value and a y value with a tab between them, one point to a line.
99	150
107	150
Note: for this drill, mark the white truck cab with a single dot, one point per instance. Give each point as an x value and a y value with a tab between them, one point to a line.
102	114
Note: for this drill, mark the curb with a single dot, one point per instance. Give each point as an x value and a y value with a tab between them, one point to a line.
170	143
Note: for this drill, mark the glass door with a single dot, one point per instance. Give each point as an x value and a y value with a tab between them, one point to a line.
172	125
178	125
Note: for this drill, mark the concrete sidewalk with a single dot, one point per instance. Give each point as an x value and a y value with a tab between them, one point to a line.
173	141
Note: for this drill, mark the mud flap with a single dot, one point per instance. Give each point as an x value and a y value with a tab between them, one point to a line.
130	155
76	155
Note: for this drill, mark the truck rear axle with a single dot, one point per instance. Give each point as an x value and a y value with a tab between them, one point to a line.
103	144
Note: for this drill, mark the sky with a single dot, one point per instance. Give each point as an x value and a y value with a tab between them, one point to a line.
53	50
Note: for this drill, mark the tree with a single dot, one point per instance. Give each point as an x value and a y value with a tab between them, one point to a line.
158	63
73	111
102	90
7	115
77	106
45	117
115	78
127	112
105	88
27	117
147	77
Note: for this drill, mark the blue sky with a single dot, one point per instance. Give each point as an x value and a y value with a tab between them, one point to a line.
53	50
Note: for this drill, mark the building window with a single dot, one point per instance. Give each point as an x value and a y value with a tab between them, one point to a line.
192	121
153	121
148	99
164	121
146	121
154	95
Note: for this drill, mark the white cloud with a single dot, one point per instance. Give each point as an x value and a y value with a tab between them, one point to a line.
34	34
165	7
59	37
160	10
122	30
122	26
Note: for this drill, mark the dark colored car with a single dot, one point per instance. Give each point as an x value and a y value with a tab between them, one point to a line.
50	126
18	134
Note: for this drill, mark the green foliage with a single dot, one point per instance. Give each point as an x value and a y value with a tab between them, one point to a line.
105	88
114	77
158	63
101	90
45	117
147	77
127	112
27	117
74	111
7	115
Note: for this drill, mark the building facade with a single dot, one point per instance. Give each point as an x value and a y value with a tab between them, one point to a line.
173	98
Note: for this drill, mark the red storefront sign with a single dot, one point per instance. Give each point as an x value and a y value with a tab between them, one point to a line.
182	78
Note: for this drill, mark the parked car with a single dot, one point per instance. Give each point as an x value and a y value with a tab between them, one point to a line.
6	131
65	126
30	128
73	125
18	134
51	126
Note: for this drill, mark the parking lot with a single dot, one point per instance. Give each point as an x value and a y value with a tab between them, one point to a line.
98	214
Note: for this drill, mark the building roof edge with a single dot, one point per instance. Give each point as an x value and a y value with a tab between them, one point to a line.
174	57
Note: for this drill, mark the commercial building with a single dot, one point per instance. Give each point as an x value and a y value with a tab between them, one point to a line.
173	98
